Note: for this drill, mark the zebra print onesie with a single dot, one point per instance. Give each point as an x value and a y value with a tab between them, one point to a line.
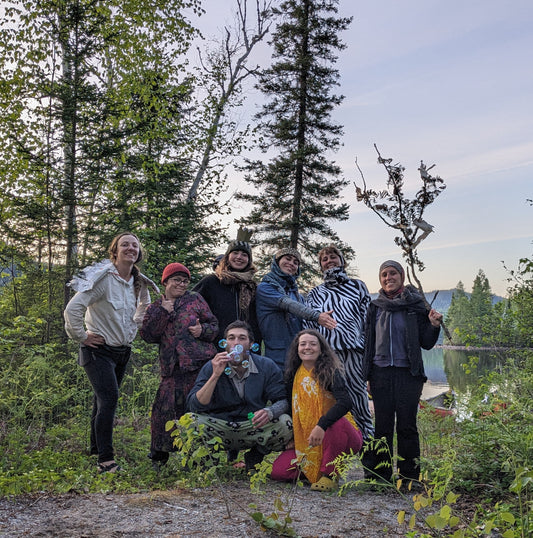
349	300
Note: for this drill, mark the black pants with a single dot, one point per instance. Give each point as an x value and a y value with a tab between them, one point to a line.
396	394
105	367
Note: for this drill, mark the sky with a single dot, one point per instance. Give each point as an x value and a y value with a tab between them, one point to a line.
449	83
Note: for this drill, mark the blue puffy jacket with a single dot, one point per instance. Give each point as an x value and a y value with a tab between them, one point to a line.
280	310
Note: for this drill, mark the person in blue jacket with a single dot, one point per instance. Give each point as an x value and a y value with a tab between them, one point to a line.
281	308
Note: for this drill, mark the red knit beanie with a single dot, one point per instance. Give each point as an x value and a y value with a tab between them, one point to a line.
173	268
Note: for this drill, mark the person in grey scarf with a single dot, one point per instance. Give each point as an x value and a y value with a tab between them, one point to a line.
398	325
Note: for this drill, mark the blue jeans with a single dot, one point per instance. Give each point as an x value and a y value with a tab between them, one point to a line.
396	394
105	367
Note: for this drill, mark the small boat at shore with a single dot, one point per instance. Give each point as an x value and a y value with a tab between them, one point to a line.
442	404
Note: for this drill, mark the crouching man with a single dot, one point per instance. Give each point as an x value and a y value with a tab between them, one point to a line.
240	397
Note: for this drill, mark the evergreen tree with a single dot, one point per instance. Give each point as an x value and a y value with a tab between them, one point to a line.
519	314
296	193
483	322
472	320
459	313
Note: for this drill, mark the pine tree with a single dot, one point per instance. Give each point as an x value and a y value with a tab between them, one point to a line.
472	320
296	193
483	321
459	314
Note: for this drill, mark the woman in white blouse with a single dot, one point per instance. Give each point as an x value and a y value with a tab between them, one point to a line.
104	315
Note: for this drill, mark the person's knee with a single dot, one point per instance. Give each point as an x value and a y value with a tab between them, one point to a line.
285	467
286	430
107	401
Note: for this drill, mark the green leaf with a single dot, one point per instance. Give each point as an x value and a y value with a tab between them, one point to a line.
453	521
445	512
508	517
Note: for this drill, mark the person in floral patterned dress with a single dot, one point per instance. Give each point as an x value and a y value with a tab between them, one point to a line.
184	327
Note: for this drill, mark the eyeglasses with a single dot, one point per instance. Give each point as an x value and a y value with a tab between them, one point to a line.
180	281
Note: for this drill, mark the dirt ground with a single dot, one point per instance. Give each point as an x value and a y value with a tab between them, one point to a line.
217	511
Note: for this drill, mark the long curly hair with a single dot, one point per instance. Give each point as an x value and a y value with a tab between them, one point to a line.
325	367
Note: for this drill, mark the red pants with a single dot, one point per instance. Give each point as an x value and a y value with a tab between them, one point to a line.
339	438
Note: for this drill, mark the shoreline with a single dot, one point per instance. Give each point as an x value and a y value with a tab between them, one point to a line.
473	348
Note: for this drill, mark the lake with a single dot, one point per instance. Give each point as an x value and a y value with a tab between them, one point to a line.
444	368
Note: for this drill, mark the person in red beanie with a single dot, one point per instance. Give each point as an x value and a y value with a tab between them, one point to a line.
181	322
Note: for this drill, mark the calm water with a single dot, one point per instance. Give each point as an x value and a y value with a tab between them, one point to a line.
444	368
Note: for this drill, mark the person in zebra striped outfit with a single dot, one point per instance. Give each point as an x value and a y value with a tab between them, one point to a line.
349	300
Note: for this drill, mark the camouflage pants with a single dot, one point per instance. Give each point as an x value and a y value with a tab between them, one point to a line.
242	435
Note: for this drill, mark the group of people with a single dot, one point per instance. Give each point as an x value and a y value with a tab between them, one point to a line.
307	396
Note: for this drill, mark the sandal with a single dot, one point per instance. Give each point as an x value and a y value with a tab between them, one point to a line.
113	467
324	484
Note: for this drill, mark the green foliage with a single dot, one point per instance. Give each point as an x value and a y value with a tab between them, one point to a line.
35	298
485	453
488	453
520	310
475	321
204	459
279	520
95	103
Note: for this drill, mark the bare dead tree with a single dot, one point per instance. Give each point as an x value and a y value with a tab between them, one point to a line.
226	69
404	214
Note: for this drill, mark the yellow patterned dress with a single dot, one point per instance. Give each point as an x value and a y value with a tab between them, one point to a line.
309	404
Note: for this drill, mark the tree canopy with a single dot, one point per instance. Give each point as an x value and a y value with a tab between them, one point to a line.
296	193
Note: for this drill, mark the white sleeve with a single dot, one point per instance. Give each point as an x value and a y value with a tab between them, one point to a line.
74	316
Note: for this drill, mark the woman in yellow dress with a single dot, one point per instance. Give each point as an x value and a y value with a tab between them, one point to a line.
321	403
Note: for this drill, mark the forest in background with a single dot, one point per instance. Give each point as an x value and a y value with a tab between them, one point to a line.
105	126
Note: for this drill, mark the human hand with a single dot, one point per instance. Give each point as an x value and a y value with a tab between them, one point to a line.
326	320
219	363
260	419
435	318
93	340
316	436
167	304
196	330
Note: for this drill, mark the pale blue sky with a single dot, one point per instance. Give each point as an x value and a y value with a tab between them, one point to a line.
449	82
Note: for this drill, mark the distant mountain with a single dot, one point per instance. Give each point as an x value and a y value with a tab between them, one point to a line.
444	298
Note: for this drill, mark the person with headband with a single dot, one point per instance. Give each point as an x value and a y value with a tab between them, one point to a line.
398	325
348	298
